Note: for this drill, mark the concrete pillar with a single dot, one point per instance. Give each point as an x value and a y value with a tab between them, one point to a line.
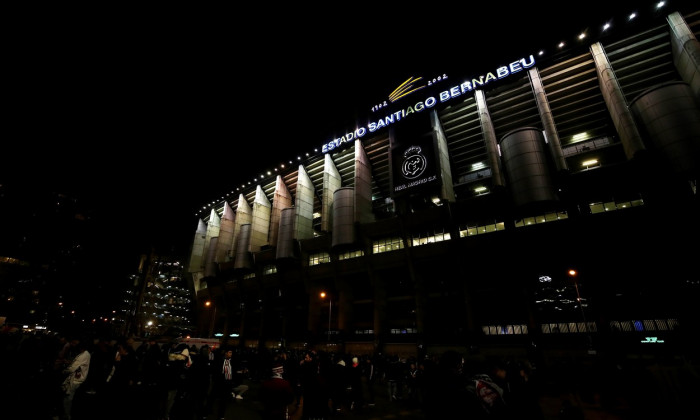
242	246
686	51
331	182
315	303
213	227
615	100
447	191
304	206
198	248
227	226
489	133
285	244
343	221
260	223
550	128
244	216
282	199
363	185
210	265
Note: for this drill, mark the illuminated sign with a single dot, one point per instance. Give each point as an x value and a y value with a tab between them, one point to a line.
652	340
413	158
429	102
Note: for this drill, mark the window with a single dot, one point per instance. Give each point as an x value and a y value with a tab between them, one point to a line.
602	207
481	229
508	329
351	254
542	218
269	269
429	238
386	245
319	258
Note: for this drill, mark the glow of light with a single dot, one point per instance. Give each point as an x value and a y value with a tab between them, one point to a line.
660	4
632	16
606	26
541	52
478	165
561	44
479	189
581	36
580	136
589	162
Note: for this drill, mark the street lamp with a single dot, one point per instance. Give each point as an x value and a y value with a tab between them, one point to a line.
330	312
573	274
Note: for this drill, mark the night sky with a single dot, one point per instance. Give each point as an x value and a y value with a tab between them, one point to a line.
152	113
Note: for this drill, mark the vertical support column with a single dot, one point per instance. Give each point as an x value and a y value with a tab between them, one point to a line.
615	100
304	206
550	128
315	303
331	182
686	51
489	133
198	247
446	189
223	246
244	215
285	244
242	247
260	222
210	265
282	199
345	305
363	185
380	305
213	227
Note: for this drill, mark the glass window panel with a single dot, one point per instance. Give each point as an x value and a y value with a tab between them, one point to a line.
596	208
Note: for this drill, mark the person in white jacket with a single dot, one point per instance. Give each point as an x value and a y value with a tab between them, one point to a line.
77	372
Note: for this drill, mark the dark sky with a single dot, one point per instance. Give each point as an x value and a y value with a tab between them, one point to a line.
151	113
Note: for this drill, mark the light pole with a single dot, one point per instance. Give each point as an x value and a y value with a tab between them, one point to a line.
573	274
330	312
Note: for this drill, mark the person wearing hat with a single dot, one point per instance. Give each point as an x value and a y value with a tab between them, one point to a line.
276	393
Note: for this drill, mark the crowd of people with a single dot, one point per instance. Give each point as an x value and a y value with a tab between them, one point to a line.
151	380
67	377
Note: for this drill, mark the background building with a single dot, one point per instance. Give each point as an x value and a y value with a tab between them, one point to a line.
452	216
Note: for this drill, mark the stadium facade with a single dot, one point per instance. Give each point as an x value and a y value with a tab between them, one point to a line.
453	215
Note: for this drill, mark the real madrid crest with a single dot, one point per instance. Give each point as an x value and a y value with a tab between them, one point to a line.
414	163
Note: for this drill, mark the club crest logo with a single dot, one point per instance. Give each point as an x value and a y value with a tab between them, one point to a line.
414	163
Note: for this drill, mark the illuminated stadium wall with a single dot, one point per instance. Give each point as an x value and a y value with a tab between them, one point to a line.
452	216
